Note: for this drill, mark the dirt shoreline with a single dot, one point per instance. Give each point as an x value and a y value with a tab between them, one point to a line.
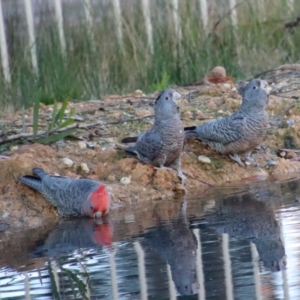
95	153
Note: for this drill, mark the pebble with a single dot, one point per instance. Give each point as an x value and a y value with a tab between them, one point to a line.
68	162
5	214
82	145
91	145
125	180
14	148
282	153
84	168
139	92
204	159
290	122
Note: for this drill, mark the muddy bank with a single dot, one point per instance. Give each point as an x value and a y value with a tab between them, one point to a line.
95	153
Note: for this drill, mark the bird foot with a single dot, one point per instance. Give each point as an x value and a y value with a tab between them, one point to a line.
181	176
237	159
163	167
179	172
251	160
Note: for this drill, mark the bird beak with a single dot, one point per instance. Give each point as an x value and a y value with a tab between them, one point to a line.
98	215
175	97
264	85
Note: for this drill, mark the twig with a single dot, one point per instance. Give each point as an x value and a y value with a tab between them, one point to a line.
225	16
292	71
23	135
197	179
283	92
289	150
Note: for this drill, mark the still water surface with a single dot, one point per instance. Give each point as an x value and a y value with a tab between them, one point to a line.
229	243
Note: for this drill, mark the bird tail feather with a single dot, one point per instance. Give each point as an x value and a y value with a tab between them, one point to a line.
189	128
32	182
39	172
191	132
132	150
131	139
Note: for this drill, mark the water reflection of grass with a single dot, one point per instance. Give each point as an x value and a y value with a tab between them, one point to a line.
77	281
94	69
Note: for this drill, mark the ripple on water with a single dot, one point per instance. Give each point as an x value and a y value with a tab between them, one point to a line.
249	249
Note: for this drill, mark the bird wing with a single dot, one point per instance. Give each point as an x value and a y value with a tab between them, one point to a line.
149	145
223	131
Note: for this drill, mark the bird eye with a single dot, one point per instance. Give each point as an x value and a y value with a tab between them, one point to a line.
91	207
254	87
167	98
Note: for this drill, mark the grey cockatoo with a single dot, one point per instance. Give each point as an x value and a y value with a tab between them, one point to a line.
162	145
242	131
71	197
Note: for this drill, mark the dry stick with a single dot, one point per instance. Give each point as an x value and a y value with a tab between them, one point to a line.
197	179
58	130
272	70
225	16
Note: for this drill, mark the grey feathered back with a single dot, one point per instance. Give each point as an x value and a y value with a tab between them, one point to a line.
243	130
65	193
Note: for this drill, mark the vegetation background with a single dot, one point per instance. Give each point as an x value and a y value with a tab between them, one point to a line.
98	61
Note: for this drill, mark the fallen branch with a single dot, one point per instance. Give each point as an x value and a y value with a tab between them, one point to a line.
189	176
225	16
55	130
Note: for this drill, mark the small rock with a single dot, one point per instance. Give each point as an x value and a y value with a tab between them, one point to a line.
82	145
187	115
200	114
282	153
91	145
290	122
78	118
68	162
211	105
204	159
14	148
271	162
125	180
138	92
5	214
84	168
227	85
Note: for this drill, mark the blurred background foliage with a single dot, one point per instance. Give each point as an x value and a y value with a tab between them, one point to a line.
96	63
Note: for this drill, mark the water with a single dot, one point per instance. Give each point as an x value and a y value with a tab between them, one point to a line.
229	243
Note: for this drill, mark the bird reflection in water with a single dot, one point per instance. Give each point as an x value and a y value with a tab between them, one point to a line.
72	234
246	217
176	244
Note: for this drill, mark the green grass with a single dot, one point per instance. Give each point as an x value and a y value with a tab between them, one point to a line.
93	69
